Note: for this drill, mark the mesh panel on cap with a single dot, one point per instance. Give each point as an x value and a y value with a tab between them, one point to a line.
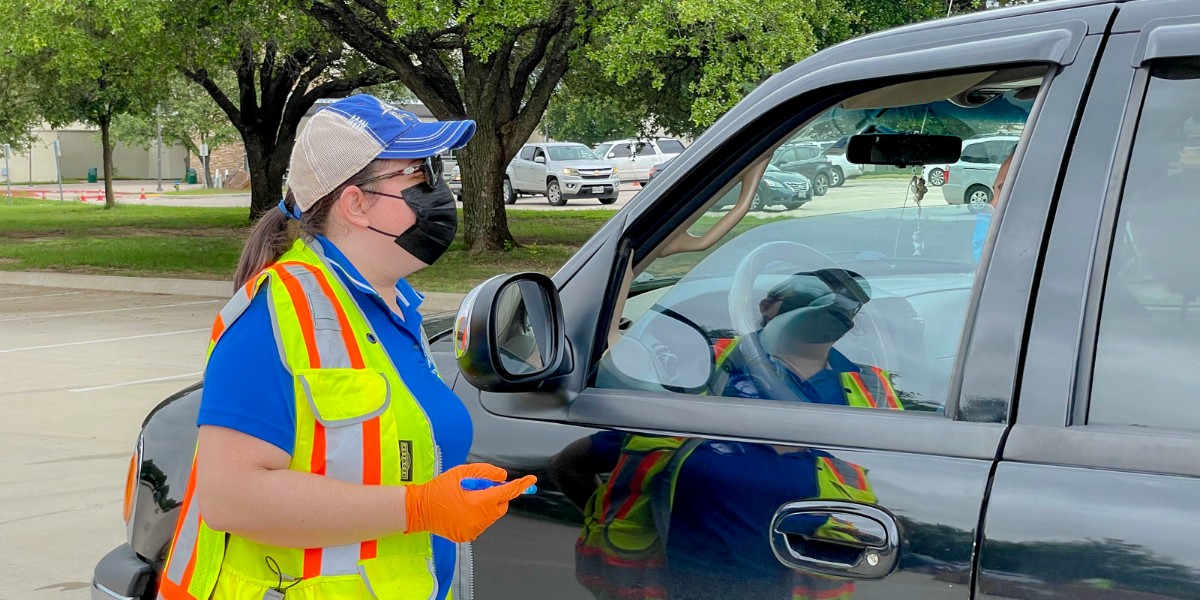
330	150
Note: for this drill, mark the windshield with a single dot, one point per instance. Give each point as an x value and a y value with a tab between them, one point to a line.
575	152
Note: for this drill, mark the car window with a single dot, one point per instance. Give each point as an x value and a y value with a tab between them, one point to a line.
646	149
669	146
579	152
784	155
975	153
1148	343
602	150
856	298
527	153
621	151
539	151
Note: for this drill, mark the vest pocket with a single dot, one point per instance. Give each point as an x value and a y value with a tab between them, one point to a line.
340	397
398	577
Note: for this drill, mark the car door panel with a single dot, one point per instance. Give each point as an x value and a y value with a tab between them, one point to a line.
1110	507
929	472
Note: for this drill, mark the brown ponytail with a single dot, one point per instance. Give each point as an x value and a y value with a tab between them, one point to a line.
274	232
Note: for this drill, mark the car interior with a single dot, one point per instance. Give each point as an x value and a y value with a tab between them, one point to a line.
715	267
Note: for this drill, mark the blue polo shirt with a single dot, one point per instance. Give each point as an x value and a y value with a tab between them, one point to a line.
248	389
824	387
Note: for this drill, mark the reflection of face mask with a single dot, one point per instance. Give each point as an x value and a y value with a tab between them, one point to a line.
437	221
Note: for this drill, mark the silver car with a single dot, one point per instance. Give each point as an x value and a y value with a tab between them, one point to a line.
969	181
560	171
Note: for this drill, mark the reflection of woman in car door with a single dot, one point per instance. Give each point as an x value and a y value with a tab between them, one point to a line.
685	518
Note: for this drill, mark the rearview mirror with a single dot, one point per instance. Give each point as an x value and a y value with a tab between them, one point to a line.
903	149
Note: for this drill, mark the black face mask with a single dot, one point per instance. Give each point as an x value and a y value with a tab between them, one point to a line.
437	221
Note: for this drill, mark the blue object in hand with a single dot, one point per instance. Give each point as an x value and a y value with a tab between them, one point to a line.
479	483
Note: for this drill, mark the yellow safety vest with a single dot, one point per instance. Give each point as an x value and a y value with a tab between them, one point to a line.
870	388
356	421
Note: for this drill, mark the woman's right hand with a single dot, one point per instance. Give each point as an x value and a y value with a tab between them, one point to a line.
441	506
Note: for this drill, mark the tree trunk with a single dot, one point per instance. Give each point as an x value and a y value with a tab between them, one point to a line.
110	199
267	165
482	163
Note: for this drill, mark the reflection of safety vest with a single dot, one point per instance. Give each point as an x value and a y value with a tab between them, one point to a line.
621	552
871	387
355	421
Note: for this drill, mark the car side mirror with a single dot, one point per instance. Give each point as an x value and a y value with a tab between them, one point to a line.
539	159
903	149
509	334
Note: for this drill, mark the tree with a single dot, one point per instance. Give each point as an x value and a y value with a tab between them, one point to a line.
499	63
188	116
589	119
496	63
282	63
18	96
98	64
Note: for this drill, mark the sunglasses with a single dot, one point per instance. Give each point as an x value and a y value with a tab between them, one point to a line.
432	166
849	289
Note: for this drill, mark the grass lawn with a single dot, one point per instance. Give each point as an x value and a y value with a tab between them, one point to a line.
204	243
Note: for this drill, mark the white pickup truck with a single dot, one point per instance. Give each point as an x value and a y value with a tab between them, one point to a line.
560	171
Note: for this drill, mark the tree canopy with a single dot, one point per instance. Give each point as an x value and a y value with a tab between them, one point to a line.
97	63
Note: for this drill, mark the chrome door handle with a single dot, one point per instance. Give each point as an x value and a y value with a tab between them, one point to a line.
843	539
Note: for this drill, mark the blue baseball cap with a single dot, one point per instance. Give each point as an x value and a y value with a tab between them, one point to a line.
345	136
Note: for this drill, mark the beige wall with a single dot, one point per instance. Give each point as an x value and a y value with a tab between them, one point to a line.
81	150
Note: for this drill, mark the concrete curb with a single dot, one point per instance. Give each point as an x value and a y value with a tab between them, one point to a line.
435	302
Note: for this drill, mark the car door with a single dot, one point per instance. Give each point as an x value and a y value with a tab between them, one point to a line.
654	486
621	157
647	156
521	167
1096	495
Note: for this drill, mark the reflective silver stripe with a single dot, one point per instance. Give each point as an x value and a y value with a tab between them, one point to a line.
340	560
185	546
326	328
275	329
343	439
874	387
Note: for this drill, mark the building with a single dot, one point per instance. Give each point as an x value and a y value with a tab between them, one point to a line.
80	147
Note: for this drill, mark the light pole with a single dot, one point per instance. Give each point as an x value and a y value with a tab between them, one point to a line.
7	173
158	126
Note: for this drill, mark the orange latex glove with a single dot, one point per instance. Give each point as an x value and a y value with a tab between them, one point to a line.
441	506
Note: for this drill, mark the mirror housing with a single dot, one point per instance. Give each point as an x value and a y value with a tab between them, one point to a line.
903	149
539	159
509	334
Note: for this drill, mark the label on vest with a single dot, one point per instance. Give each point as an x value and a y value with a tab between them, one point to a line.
406	460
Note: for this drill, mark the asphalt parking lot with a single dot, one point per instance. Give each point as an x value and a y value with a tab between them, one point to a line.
78	372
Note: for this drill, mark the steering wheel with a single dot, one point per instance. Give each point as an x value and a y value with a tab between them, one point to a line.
744	312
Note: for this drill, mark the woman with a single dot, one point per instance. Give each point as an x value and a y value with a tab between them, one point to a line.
330	456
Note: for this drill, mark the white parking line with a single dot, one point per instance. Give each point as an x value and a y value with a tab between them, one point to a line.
40	296
113	385
132	337
110	310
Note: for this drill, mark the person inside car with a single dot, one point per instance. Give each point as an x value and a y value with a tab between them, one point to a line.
802	318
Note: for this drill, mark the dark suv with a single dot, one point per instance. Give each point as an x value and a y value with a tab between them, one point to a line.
891	397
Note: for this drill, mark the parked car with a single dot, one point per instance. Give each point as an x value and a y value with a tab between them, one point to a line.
1047	443
809	161
842	169
561	171
454	180
969	181
656	169
633	158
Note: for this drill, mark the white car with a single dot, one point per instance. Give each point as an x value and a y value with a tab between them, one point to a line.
633	158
